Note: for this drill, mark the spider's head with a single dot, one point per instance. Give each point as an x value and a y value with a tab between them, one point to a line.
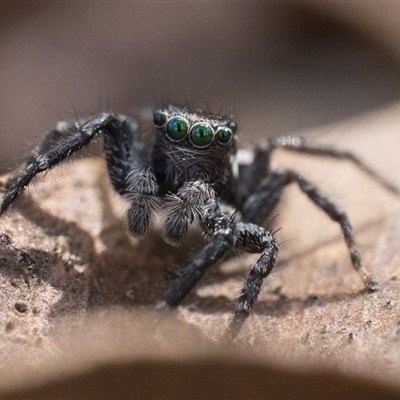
193	143
194	129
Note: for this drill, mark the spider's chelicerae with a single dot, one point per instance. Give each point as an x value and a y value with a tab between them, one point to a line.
193	172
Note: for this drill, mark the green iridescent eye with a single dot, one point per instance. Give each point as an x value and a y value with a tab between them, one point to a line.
177	128
201	134
224	135
159	118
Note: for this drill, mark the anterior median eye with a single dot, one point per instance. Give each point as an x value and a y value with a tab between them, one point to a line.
224	135
177	128
159	118
201	134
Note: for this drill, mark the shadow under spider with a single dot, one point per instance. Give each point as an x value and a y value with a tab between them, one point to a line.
122	264
149	281
275	308
241	272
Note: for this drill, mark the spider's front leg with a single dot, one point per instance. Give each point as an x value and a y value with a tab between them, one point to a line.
218	226
77	137
130	173
225	234
252	239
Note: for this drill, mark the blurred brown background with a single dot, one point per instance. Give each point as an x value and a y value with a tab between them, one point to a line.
282	67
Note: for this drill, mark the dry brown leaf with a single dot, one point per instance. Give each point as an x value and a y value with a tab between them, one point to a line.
78	293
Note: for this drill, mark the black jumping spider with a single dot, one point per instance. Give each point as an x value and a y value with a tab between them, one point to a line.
193	172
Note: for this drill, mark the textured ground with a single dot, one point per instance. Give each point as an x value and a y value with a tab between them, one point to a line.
77	293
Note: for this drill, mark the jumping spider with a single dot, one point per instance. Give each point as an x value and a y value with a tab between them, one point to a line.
193	172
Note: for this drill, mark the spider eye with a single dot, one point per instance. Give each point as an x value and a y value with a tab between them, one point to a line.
224	135
201	134
159	118
177	128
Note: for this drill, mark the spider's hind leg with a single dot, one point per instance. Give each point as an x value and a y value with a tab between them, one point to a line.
301	145
65	144
259	205
56	135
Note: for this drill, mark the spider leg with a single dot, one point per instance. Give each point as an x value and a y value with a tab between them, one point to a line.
54	155
223	239
301	145
127	163
130	172
209	256
54	136
227	233
261	203
253	239
124	152
251	175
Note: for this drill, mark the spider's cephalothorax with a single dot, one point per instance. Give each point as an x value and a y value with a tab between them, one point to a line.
190	145
192	172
